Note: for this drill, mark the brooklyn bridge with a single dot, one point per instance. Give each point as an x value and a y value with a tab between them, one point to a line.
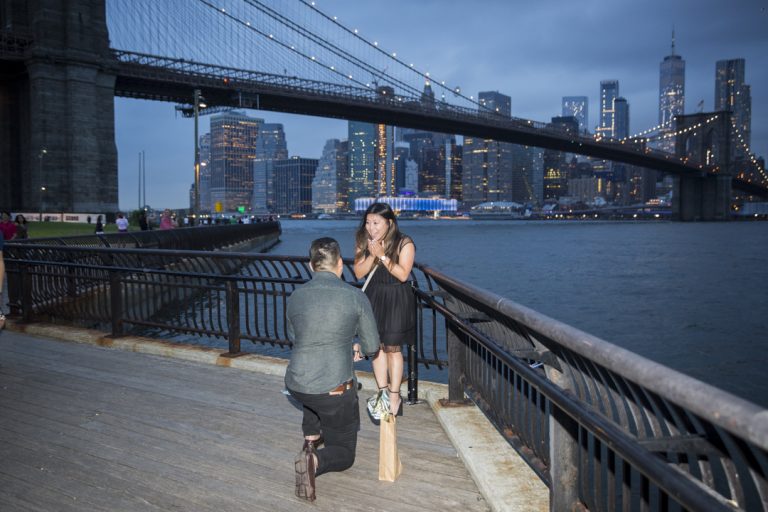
64	63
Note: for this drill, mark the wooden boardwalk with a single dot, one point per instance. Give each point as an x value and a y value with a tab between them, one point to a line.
87	428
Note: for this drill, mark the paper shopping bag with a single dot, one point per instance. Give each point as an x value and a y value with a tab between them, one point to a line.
390	466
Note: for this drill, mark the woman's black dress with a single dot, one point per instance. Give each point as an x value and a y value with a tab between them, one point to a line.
394	307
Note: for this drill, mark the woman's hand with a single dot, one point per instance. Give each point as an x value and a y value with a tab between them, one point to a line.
375	248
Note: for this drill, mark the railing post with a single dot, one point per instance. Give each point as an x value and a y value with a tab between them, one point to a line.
116	302
563	453
455	363
233	317
413	375
26	294
71	282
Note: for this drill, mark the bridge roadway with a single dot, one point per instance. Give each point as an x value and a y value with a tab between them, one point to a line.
87	428
167	79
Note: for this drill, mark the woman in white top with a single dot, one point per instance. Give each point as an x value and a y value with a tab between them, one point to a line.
122	223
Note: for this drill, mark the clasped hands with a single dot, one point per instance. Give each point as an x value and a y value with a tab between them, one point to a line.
376	248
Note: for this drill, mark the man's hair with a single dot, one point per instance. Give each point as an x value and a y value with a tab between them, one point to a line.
324	254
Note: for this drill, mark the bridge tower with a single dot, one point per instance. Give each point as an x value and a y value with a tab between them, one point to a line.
57	108
705	139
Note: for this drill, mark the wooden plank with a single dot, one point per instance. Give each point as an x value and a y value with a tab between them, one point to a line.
119	428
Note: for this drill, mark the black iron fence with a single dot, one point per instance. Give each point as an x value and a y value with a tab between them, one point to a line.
605	428
191	238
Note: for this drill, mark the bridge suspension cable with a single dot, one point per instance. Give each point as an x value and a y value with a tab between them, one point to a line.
426	75
294	39
653	129
748	151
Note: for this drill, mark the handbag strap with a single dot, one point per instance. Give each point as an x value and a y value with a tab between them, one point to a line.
370	275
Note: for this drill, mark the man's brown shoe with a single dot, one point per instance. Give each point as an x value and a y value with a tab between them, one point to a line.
306	467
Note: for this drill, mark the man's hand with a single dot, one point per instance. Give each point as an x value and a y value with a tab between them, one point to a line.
358	356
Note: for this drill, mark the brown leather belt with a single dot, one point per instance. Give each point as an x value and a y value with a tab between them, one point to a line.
341	388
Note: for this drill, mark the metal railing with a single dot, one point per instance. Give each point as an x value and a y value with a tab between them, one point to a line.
192	238
605	428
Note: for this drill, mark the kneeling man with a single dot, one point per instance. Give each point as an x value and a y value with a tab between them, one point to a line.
324	315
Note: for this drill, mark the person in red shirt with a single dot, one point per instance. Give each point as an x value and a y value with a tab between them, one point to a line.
7	227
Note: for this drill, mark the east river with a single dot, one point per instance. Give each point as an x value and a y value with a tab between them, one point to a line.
691	296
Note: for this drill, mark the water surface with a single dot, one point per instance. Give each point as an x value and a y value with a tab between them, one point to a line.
691	296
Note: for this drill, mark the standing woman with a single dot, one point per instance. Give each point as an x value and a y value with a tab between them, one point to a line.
22	231
99	226
381	248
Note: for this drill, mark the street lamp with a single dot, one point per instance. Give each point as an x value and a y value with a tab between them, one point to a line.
40	156
198	103
42	202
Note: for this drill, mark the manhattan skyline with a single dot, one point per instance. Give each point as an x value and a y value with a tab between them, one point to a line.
534	54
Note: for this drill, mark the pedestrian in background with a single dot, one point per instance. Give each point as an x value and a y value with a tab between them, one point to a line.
99	226
166	222
22	231
122	223
143	224
7	227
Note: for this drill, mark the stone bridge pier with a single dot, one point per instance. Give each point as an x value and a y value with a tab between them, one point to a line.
701	198
57	108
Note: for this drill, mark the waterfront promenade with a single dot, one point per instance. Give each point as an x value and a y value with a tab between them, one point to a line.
120	428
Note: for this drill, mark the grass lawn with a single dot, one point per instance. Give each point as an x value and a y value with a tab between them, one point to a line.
52	229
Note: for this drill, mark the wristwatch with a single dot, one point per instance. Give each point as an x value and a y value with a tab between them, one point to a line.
384	259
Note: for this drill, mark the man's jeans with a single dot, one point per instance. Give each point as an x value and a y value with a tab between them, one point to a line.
337	418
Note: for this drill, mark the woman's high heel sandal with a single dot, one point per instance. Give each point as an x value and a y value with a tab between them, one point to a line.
378	404
399	407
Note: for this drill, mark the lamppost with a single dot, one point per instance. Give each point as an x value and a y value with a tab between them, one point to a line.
40	156
198	103
42	202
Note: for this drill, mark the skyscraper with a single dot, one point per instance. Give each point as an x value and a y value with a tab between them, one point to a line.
671	96
455	183
495	171
401	156
292	184
578	107
555	164
270	145
233	150
621	118
733	95
330	186
385	168
609	91
362	160
486	171
432	153
494	101
205	174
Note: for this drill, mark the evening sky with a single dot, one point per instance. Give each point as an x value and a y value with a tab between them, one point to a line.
536	52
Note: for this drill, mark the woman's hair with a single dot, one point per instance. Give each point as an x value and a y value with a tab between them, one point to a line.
392	238
324	254
21	219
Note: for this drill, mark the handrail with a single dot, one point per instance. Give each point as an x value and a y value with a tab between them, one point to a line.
190	238
726	410
606	429
712	445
